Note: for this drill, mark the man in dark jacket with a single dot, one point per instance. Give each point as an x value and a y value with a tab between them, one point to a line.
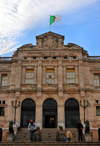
32	128
79	127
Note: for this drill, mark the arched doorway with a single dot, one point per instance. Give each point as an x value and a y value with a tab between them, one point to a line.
71	113
27	112
50	113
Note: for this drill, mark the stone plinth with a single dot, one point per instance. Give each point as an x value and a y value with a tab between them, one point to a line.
10	137
88	137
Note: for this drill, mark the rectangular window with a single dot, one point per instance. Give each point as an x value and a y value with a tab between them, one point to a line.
29	76
50	76
97	110
96	79
2	111
4	80
70	76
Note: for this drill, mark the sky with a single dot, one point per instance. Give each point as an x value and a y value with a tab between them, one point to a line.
22	20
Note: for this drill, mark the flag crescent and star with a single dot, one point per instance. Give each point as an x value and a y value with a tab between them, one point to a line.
54	18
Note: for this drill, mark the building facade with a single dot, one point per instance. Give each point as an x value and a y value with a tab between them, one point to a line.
50	79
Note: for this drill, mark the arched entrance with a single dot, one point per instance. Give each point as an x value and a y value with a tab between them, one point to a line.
71	113
27	112
50	113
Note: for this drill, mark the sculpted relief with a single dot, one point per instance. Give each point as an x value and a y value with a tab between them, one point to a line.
50	41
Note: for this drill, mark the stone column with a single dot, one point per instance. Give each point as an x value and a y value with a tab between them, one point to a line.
0	81
18	115
13	74
23	74
44	75
87	75
18	81
39	74
61	116
35	74
81	80
55	75
60	74
39	78
65	75
76	75
38	116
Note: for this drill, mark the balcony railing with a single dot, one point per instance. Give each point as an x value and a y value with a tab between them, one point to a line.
94	57
71	86
28	87
5	58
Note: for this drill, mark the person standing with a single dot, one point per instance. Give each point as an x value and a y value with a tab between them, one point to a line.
32	128
80	128
68	135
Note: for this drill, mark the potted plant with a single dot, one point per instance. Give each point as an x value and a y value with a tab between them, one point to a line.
61	128
38	128
19	128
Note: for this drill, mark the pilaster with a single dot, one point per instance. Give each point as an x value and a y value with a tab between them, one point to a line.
38	119
61	117
44	75
55	74
24	74
18	81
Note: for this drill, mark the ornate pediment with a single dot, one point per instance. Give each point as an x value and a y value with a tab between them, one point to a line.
50	40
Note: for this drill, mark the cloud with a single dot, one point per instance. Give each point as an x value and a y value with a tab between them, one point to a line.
16	16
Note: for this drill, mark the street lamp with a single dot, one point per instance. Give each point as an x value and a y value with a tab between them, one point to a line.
84	106
15	106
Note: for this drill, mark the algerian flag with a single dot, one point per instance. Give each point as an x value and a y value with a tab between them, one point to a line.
54	18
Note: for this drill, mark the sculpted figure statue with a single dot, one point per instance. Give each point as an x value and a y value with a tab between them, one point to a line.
11	131
87	127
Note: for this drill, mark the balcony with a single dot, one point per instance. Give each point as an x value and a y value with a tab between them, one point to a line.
50	87
28	87
71	87
5	58
94	57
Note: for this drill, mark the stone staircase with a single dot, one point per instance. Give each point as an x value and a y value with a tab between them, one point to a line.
24	135
49	144
46	134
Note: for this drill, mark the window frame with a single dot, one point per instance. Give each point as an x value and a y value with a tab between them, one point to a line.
71	77
4	85
94	74
48	73
97	111
29	79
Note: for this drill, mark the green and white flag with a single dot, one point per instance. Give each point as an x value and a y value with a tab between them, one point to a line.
54	18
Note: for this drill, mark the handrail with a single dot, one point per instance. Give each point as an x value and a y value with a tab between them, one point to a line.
5	58
94	57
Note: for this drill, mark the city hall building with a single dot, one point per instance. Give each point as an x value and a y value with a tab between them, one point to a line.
52	82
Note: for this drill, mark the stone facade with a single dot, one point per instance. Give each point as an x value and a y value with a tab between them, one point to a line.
50	45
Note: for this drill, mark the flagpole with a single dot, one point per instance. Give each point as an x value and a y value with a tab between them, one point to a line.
50	25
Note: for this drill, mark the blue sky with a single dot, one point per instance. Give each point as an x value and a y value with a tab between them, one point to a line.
21	21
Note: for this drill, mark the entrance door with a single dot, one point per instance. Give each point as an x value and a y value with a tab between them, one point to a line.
50	113
71	113
27	112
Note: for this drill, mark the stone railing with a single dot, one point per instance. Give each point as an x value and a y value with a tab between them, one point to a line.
94	57
5	58
71	87
49	87
97	87
25	87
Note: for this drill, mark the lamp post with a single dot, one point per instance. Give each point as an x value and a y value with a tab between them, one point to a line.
84	106
15	106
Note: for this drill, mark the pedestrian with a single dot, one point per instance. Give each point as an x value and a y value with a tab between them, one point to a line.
68	135
80	128
32	128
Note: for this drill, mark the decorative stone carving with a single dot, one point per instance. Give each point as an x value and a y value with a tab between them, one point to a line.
50	40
